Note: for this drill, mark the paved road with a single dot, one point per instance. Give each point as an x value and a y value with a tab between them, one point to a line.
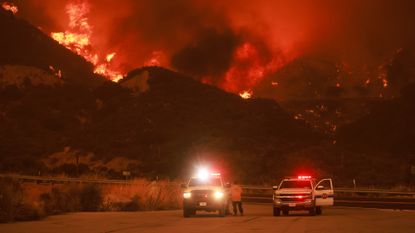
257	219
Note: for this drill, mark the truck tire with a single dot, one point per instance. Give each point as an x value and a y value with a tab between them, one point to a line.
222	212
319	210
276	211
312	211
187	213
285	212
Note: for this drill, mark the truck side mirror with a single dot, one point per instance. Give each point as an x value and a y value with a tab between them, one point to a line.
183	186
274	187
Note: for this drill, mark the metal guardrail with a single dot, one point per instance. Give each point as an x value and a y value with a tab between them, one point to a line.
343	190
40	179
252	189
374	191
377	198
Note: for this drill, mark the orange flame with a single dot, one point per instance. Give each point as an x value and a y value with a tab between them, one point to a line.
248	69
155	60
110	56
385	82
10	7
246	94
55	72
78	39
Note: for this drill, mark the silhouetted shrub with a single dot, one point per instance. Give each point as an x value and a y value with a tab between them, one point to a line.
133	205
90	197
12	203
27	212
72	198
11	196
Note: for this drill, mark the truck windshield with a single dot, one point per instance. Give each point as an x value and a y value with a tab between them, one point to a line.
296	184
209	182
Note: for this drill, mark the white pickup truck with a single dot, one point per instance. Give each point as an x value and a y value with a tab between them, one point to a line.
302	193
205	192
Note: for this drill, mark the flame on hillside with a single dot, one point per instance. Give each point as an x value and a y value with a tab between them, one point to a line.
246	94
78	39
10	7
109	57
155	59
248	69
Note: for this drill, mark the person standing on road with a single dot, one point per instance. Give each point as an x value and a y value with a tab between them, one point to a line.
236	194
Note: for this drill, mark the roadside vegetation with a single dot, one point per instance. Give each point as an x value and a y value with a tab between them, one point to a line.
28	201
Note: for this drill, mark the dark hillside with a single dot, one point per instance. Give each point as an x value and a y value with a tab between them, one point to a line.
23	44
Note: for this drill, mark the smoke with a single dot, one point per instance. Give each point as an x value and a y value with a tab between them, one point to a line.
210	54
208	39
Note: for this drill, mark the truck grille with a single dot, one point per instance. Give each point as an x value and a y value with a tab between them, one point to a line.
202	194
300	197
293	199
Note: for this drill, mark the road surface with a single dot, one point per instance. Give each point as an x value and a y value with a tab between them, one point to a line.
257	219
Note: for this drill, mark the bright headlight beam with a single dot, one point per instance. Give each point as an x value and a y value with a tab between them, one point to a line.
218	195
187	195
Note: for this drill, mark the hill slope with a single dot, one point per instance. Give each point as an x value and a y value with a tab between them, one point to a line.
160	121
23	44
175	123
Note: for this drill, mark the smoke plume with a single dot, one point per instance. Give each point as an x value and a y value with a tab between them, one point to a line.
242	45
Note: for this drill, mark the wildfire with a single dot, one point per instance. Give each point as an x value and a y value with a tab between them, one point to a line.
249	68
109	57
10	7
385	82
78	39
246	94
55	72
155	59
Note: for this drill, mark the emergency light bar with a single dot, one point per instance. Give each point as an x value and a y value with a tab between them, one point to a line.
204	174
304	177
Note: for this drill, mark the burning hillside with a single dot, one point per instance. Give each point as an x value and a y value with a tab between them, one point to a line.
235	47
10	7
51	98
78	39
23	45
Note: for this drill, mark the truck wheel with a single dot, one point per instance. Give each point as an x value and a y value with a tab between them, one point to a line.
276	211
312	211
319	210
285	212
222	212
186	213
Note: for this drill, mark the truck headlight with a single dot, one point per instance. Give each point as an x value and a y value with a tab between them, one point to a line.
218	195
187	195
277	200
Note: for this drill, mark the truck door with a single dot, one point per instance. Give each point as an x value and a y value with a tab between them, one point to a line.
323	193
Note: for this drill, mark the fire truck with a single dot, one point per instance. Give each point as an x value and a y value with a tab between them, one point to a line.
302	193
205	192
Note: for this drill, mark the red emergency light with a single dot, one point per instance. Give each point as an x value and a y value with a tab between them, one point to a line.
304	177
